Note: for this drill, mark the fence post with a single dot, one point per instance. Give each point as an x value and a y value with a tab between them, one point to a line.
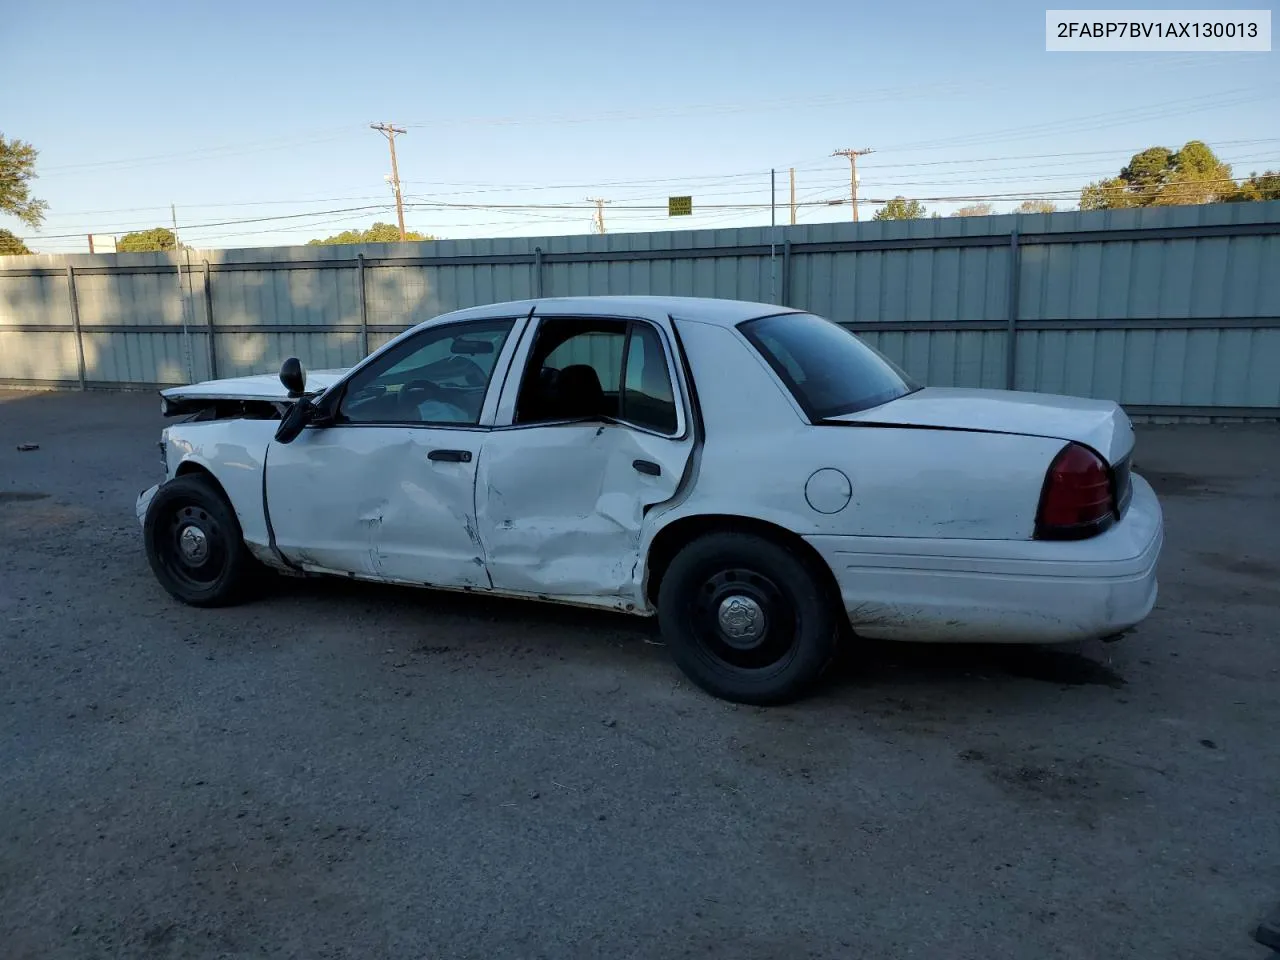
208	319
364	306
75	322
786	272
178	254
1011	332
537	272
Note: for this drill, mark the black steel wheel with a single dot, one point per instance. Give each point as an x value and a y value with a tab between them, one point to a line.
747	619
194	543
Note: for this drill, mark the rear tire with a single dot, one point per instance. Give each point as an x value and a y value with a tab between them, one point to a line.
747	619
195	545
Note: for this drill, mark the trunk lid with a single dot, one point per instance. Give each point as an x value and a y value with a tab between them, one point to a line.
1100	424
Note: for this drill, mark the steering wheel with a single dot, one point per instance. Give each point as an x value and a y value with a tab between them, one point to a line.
370	394
416	392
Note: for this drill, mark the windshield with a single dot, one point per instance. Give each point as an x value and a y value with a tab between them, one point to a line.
828	369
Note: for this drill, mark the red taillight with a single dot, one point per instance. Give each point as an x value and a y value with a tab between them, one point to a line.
1078	499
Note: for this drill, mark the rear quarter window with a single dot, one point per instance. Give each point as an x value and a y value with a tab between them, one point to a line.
827	368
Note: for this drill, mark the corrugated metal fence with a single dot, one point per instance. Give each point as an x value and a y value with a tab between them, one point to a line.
1171	311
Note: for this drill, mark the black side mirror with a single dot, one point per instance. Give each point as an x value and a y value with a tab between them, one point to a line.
297	417
294	377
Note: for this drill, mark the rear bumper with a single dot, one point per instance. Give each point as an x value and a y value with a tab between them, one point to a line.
1000	591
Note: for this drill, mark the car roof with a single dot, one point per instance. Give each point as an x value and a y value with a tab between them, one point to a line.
711	310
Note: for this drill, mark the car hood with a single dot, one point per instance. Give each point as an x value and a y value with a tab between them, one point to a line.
262	386
1100	424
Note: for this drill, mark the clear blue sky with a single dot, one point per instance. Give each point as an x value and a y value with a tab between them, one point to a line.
237	110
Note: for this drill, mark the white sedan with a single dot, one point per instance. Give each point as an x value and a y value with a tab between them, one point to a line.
758	478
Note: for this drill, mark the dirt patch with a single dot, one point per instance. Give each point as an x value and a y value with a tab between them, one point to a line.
20	496
1247	566
27	513
1084	786
1166	483
245	854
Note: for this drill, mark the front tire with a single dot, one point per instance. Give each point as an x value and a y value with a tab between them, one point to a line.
195	545
747	619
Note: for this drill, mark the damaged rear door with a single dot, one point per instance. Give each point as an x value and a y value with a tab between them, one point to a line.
592	430
387	490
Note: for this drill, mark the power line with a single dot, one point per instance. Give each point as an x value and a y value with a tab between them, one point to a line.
821	185
931	90
228	223
490	187
1078	153
1029	190
595	205
744	106
331	134
198	153
310	225
708	179
1095	121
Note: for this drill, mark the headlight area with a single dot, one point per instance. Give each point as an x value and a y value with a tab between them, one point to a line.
163	444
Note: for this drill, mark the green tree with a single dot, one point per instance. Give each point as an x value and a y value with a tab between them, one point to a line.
147	241
11	245
1036	206
983	209
1162	177
900	208
1264	186
17	170
1198	177
379	233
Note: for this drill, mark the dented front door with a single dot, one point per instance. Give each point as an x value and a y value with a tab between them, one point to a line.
390	503
560	507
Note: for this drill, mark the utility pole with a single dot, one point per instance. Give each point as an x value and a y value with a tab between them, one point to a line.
793	196
389	131
599	217
773	235
853	156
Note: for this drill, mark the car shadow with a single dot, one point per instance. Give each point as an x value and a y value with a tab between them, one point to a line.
862	663
454	602
882	663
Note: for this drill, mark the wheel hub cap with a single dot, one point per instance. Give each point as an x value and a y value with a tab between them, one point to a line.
741	620
194	544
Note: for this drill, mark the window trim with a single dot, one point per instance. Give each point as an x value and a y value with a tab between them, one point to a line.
395	351
622	382
507	404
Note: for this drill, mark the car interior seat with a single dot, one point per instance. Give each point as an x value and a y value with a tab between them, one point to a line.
578	392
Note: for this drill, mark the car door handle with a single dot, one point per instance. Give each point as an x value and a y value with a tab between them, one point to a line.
647	466
452	456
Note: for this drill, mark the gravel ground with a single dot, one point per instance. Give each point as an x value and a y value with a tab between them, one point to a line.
346	771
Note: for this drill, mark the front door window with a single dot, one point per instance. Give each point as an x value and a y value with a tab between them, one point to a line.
438	377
